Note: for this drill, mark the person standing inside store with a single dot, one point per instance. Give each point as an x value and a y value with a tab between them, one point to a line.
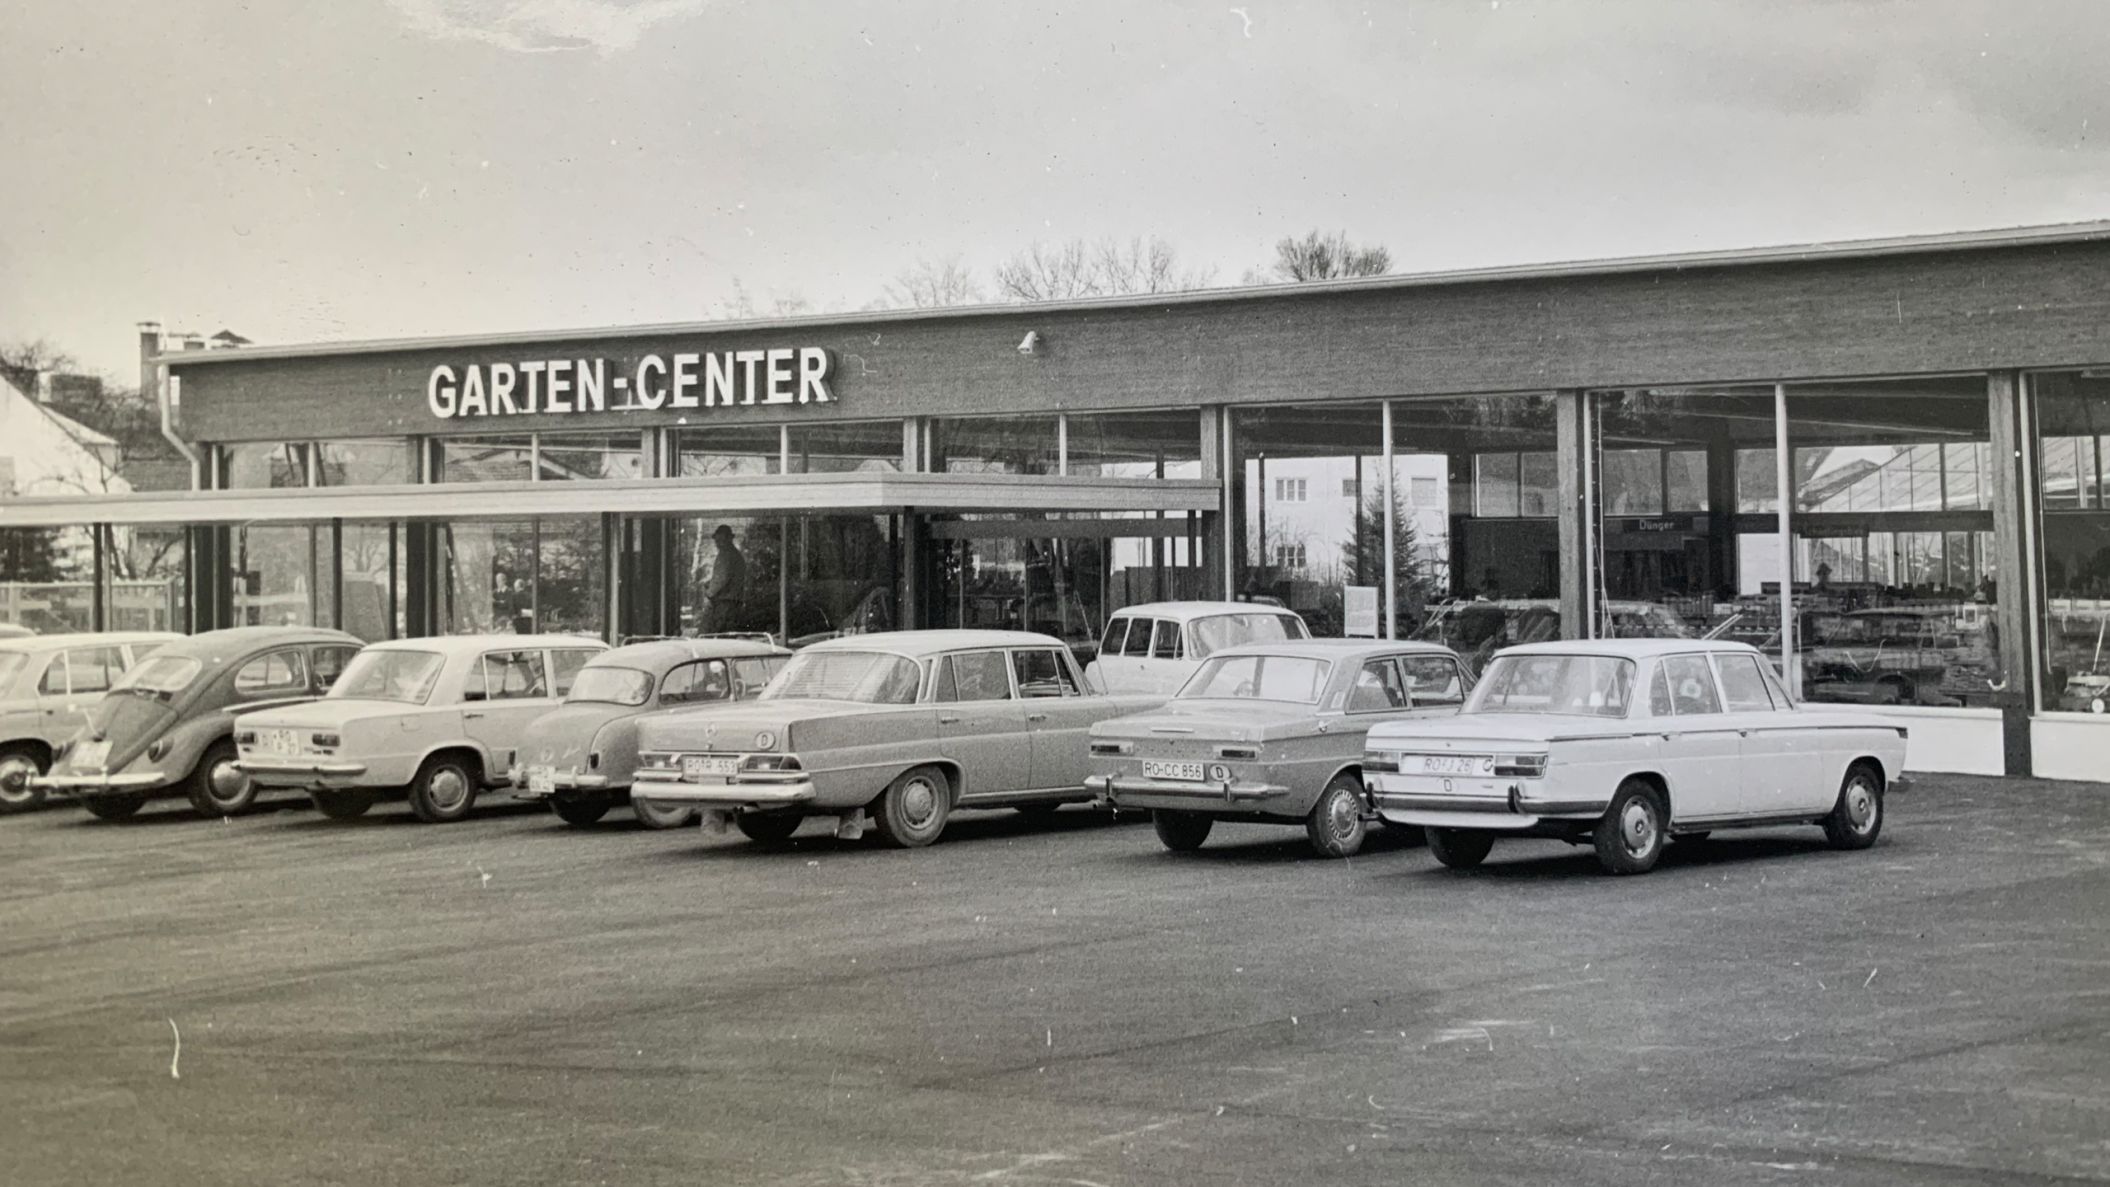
727	587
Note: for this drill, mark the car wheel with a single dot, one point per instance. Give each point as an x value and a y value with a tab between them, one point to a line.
18	765
1458	848
913	809
660	814
344	803
1857	818
1181	832
444	790
1629	838
768	828
1335	824
215	787
579	809
114	805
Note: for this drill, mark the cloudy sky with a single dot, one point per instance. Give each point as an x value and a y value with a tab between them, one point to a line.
371	168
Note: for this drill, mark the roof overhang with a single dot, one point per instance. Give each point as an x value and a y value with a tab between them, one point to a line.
798	494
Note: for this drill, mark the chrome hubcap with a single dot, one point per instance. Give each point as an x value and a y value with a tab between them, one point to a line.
449	788
15	774
1860	805
1342	816
227	783
1638	826
919	803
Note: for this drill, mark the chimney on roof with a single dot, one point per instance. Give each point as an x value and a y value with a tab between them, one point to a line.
149	346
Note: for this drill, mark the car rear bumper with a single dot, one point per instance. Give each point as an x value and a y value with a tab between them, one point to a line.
668	787
298	773
98	784
1136	792
1519	807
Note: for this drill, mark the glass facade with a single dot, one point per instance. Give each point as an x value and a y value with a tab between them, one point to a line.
260	465
995	445
2072	414
717	452
845	448
523	576
500	458
802	578
564	456
284	574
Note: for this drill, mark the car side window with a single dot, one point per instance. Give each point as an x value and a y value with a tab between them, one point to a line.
513	676
1377	688
275	673
1433	679
981	676
564	665
329	664
698	680
54	682
1781	699
749	675
1116	633
1041	673
94	669
1165	640
943	688
1691	685
1659	695
1743	689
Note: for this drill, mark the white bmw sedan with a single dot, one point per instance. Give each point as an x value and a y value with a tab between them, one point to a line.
1623	743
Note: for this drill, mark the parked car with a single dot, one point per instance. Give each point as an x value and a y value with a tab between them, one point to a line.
1155	647
1271	733
436	720
904	725
580	756
166	727
47	685
1622	743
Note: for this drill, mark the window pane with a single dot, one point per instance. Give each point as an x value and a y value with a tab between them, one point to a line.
717	451
1688	480
2073	418
1691	685
263	465
993	445
283	574
502	458
1495	485
1633	482
375	462
1743	689
838	448
1433	680
1043	674
1377	687
592	455
278	672
981	676
514	675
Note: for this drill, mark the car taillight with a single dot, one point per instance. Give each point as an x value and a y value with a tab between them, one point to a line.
159	750
322	741
1238	752
1111	749
1374	760
1520	766
770	762
245	737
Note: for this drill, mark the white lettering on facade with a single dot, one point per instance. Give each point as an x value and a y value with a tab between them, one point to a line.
593	387
813	376
473	401
779	377
718	379
750	361
686	379
559	386
532	372
503	380
440	392
650	393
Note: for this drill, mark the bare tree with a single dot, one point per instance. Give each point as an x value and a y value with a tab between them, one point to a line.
1319	256
743	306
1109	267
930	284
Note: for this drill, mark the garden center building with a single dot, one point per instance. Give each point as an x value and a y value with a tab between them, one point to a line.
1894	449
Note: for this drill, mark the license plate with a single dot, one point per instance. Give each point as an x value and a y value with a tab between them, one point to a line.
696	767
278	741
92	755
1190	771
1447	764
542	780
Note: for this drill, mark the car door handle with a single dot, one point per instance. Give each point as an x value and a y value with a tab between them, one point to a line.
1743	733
471	716
947	719
1036	717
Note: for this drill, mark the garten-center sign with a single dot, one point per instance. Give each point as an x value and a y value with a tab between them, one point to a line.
699	379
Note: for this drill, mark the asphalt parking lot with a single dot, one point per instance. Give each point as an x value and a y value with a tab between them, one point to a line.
510	1000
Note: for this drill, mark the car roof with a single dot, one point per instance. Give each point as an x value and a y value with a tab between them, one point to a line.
1629	648
922	643
462	644
84	639
1188	611
664	653
239	640
1333	648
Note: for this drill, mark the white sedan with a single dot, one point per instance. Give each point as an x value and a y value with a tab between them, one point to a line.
1623	743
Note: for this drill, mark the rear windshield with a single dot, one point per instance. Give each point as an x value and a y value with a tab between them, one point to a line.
1590	685
389	675
1294	678
163	675
611	686
873	677
1219	631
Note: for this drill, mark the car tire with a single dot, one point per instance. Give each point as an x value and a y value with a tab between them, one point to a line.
1629	838
343	803
579	810
444	790
215	788
18	765
1459	848
912	811
1856	819
1181	832
661	814
116	805
1335	823
768	828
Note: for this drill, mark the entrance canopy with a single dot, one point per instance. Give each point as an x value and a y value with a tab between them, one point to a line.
863	490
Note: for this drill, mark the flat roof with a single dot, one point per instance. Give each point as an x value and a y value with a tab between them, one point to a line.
2027	236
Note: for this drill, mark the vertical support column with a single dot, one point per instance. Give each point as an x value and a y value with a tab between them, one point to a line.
1571	446
1721	512
2013	450
337	574
614	565
99	597
1391	565
1214	543
420	557
1784	492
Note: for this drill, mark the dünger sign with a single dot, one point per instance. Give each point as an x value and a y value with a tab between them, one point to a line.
686	380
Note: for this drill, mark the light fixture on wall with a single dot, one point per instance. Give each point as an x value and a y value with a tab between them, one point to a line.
1030	344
